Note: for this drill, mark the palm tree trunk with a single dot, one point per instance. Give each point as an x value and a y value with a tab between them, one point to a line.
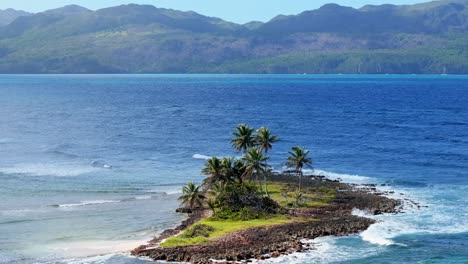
259	182
265	181
300	180
265	172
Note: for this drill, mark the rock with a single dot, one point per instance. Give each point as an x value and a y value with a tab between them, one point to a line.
184	210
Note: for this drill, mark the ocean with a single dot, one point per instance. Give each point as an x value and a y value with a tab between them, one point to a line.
92	165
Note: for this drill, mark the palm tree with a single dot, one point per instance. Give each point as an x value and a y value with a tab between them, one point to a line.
192	196
212	205
228	165
214	170
238	170
243	138
298	159
216	189
264	138
255	163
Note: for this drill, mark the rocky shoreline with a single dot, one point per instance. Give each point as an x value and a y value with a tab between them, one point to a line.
335	219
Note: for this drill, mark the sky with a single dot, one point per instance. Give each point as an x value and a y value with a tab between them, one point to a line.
240	11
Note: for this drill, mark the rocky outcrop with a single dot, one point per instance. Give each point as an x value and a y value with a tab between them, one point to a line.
261	243
274	241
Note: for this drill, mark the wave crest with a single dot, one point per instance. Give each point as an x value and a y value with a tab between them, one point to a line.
349	178
84	203
201	156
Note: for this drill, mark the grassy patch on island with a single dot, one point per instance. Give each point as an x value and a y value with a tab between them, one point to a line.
220	228
286	195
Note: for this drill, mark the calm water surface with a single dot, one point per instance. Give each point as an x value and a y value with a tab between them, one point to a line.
91	165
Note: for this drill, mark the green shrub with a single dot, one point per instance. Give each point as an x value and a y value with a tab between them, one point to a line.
243	202
200	230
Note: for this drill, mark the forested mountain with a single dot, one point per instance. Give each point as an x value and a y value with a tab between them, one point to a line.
422	38
9	15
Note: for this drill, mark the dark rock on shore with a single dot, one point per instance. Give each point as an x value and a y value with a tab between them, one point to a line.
309	181
184	210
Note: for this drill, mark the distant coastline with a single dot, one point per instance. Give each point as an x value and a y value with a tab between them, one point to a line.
427	38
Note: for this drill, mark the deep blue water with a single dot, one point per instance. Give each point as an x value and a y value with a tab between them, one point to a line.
91	165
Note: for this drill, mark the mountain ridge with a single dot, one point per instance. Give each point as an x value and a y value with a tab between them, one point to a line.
428	38
9	15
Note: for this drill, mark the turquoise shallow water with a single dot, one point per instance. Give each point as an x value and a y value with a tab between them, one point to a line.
91	165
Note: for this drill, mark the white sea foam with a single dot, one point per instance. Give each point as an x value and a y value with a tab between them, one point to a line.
144	197
166	191
100	164
424	214
382	233
171	192
325	250
92	260
48	169
108	258
84	203
95	251
386	229
205	157
361	213
201	156
349	178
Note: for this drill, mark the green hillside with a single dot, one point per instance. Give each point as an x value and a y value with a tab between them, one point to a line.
422	38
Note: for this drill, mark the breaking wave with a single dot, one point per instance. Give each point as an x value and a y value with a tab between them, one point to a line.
349	178
84	203
47	169
201	156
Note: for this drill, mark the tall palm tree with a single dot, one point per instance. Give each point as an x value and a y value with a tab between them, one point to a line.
255	164
192	196
214	170
243	138
264	138
298	159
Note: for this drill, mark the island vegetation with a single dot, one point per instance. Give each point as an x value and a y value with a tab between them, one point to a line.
237	190
244	210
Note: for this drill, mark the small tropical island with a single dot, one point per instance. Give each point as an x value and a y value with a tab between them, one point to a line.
243	210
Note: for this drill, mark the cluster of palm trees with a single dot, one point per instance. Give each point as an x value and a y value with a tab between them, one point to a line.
253	165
